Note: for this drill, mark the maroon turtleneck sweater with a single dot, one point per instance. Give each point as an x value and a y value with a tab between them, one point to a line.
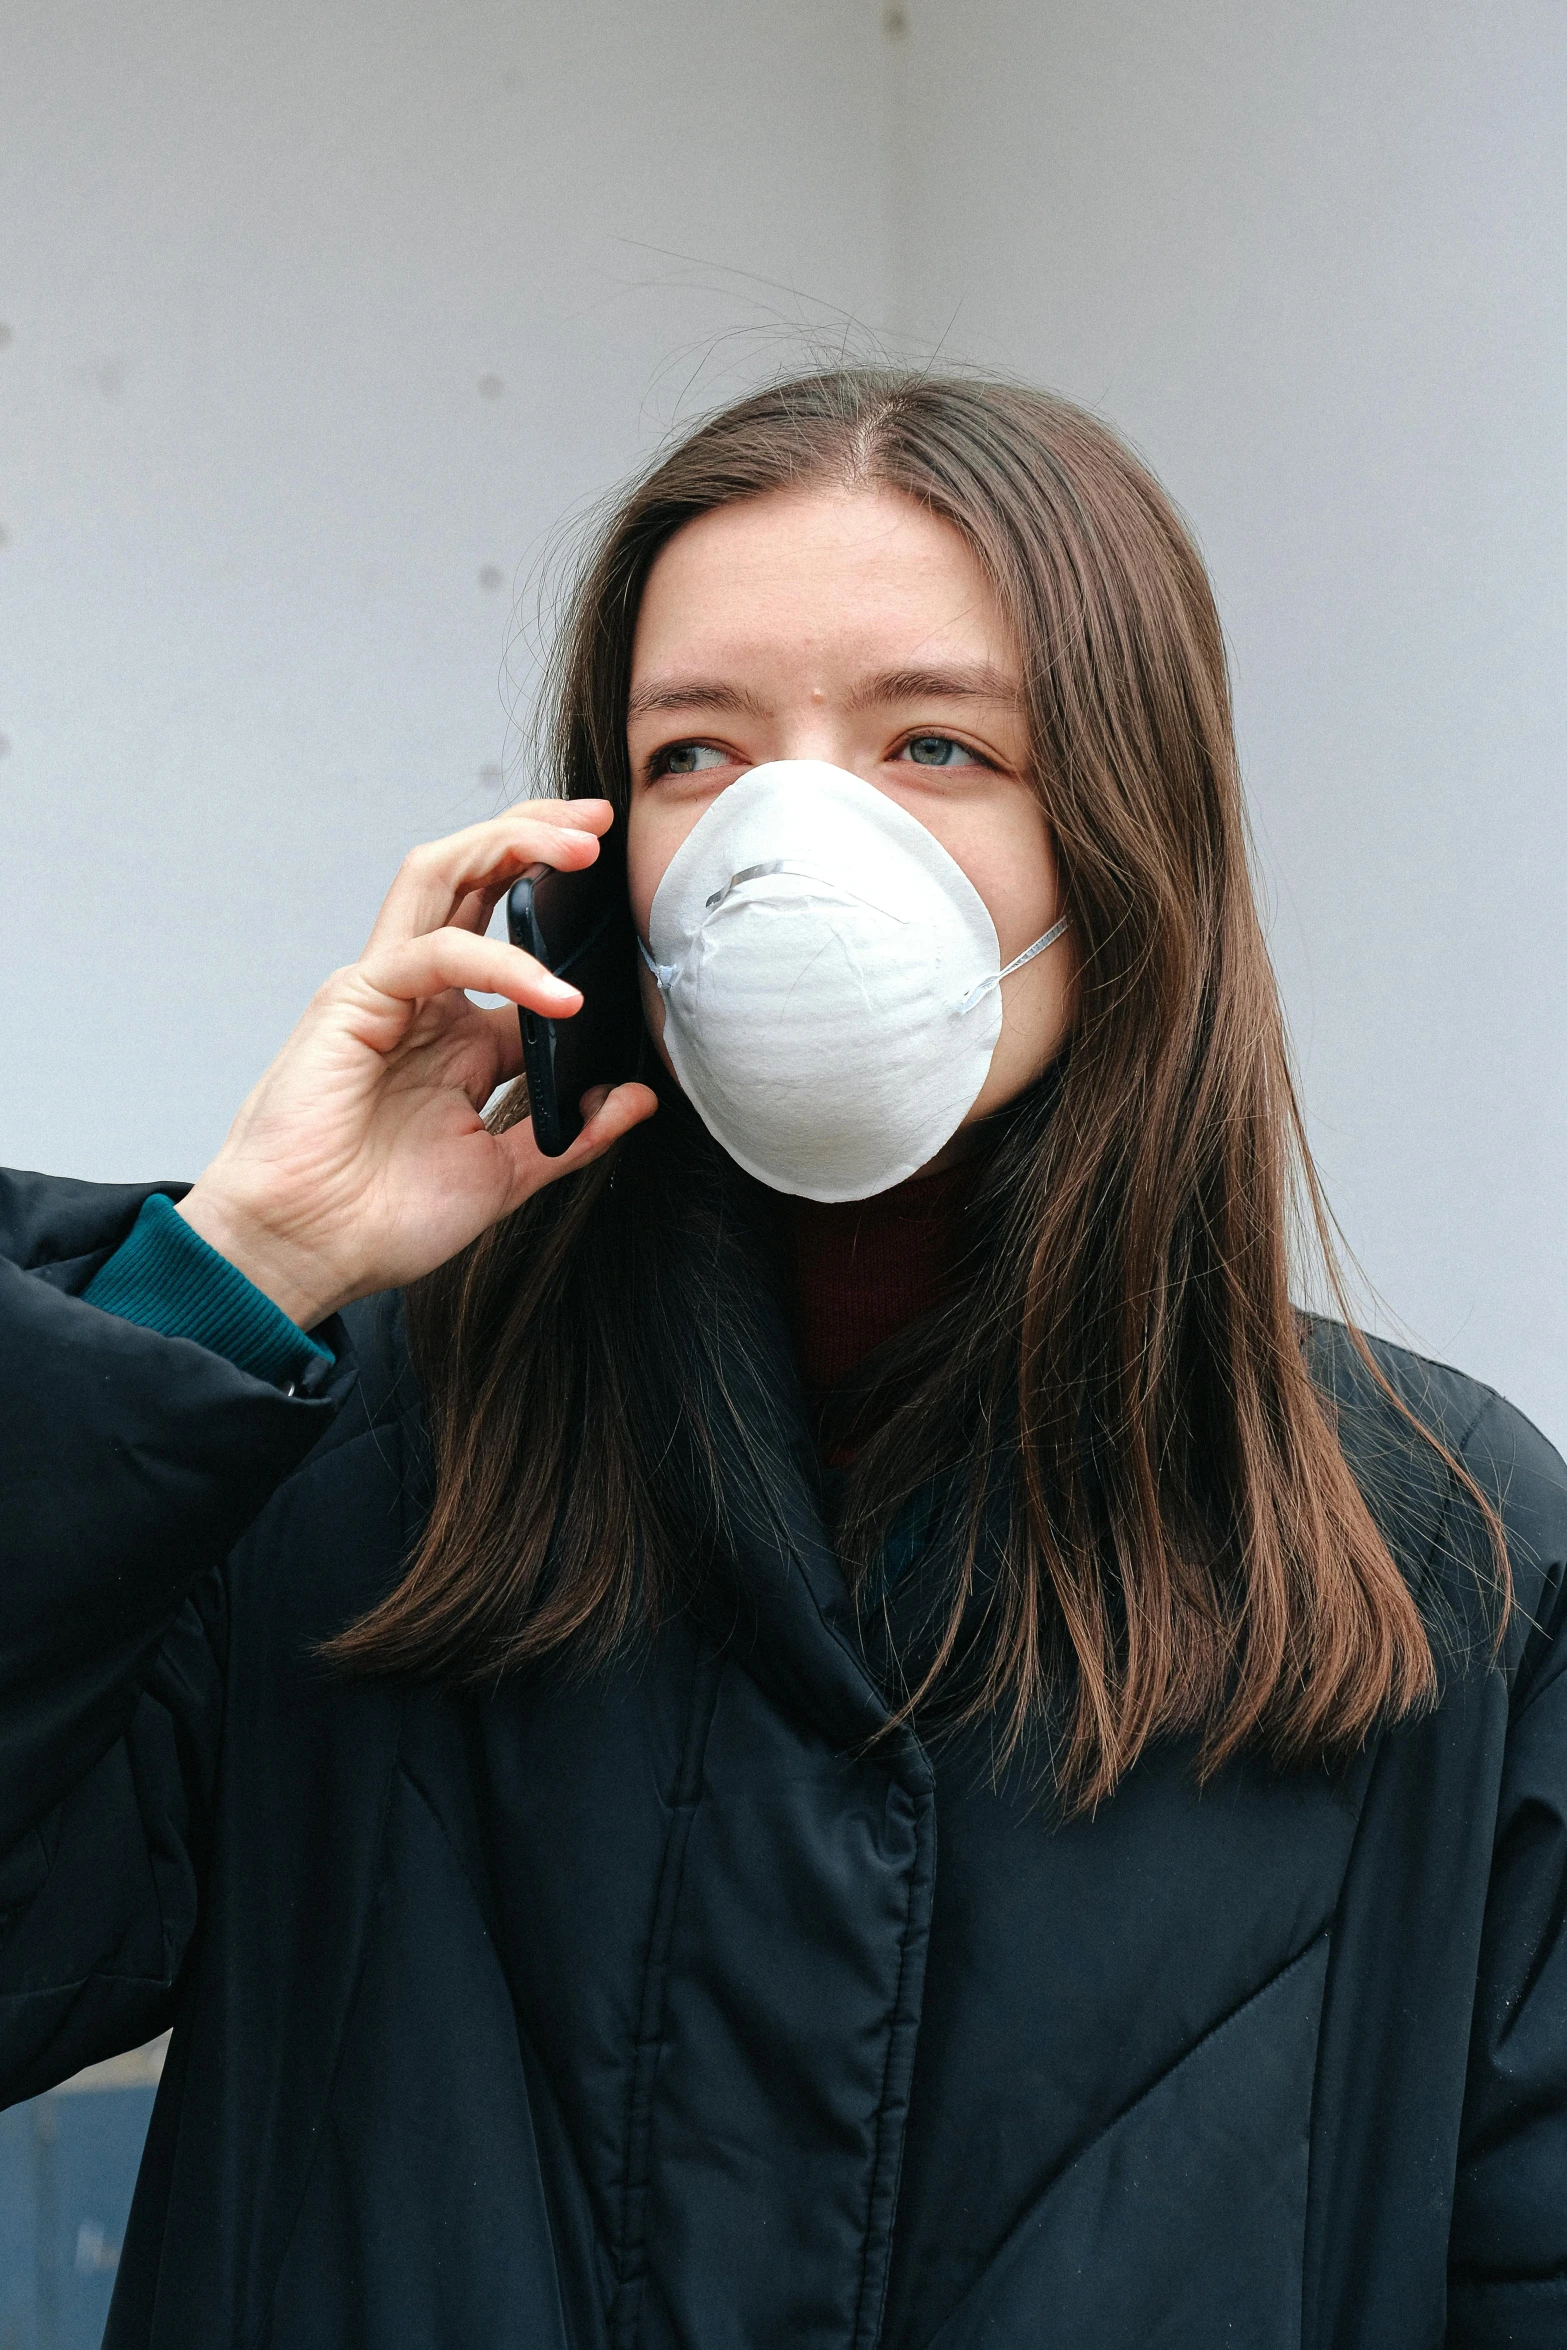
865	1268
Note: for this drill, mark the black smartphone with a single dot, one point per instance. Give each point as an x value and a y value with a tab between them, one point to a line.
579	926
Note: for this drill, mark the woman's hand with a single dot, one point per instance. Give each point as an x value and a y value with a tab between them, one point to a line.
361	1161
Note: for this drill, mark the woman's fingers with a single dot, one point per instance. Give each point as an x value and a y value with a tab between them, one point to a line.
503	1034
411	969
488	1054
436	880
619	1109
473	912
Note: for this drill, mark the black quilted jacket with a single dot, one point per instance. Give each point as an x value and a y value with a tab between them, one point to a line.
650	2009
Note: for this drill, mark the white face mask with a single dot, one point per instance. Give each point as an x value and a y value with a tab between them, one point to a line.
830	978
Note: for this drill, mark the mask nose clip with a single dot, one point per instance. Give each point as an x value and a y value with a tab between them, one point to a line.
665	972
748	873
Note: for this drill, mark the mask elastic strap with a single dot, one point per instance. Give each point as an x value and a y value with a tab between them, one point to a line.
663	973
978	994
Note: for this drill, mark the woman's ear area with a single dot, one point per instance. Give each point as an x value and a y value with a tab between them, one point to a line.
649	846
653	1014
1039	1003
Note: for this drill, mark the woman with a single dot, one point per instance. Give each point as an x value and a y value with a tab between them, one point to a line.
780	1750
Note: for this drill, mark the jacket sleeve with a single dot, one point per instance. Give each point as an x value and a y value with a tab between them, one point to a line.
1508	2255
130	1463
166	1278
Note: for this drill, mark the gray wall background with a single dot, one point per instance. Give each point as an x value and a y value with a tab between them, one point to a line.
323	317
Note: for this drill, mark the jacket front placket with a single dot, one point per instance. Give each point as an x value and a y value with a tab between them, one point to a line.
784	1996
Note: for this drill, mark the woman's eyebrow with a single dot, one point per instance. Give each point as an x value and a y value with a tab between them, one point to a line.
691	693
971	682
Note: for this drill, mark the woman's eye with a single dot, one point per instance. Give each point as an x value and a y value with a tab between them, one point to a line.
939	750
687	758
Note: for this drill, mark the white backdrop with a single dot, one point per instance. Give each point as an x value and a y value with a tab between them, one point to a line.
1312	259
323	313
322	316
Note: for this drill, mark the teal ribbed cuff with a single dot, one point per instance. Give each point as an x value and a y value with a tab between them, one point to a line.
164	1277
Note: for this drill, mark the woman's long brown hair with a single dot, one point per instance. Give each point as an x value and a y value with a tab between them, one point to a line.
1183	1546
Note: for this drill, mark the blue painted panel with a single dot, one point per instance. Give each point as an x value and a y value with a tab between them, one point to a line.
67	2168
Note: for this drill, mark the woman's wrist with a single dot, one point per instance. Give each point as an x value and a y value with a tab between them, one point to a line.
283	1270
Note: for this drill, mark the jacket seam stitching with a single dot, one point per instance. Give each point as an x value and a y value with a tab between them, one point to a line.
81	1982
629	2251
1330	1930
1080	2153
1484	2281
866	2331
259	2333
403	1769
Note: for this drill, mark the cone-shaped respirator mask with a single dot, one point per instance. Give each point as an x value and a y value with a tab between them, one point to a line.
830	979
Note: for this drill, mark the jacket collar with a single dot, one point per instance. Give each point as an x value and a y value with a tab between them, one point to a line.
788	1616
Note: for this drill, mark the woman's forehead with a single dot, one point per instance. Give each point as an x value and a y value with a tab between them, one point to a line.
861	584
